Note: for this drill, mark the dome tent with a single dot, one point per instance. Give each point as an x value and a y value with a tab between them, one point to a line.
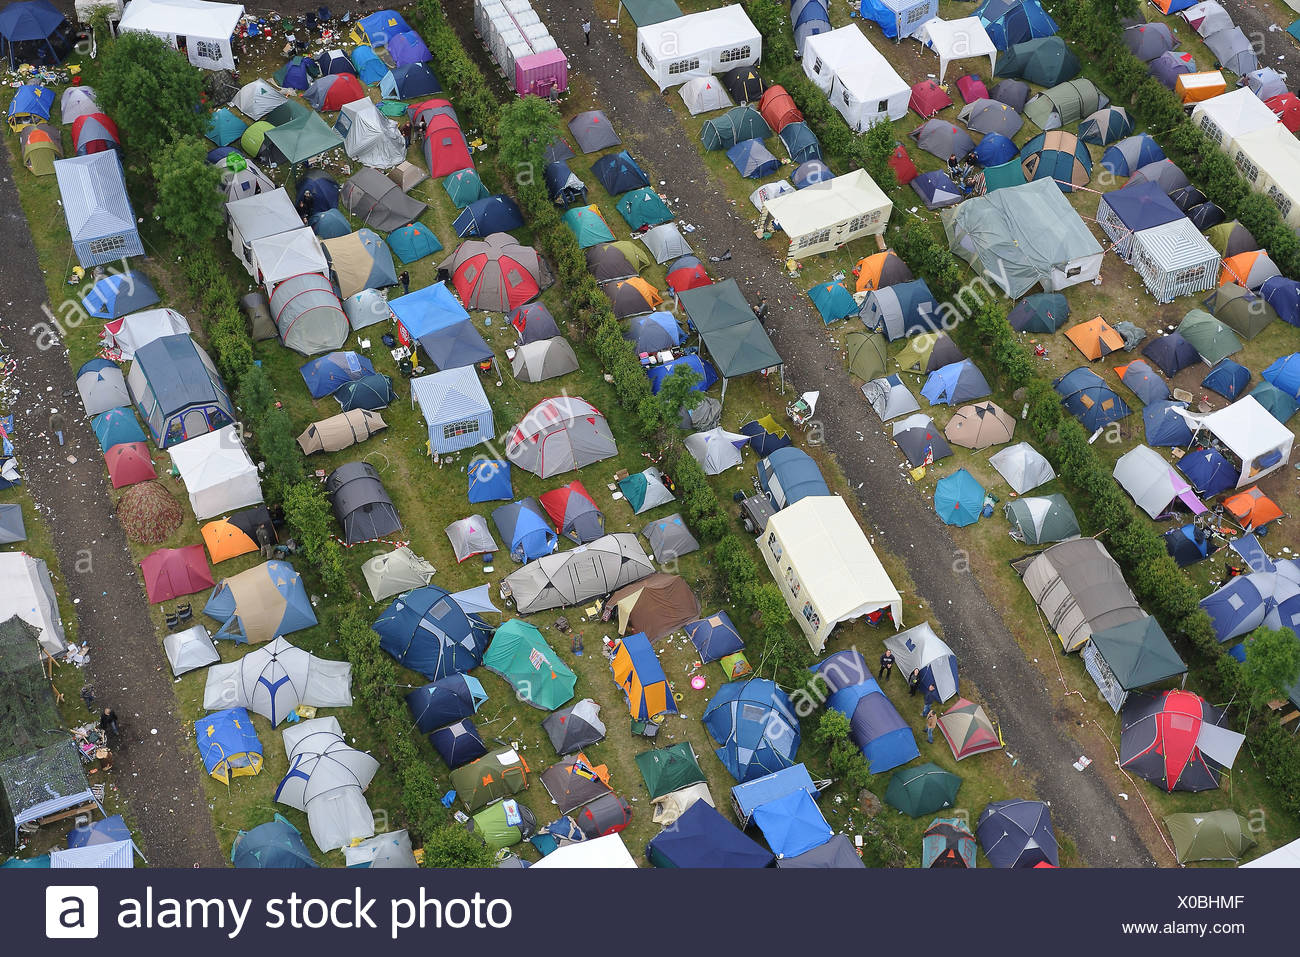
1017	833
523	527
277	677
261	603
275	844
755	728
560	435
520	655
427	631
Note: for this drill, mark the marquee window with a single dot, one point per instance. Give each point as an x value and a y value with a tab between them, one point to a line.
454	430
683	66
734	54
207	50
109	244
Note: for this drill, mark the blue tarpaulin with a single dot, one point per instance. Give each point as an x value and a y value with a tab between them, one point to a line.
792	824
658	374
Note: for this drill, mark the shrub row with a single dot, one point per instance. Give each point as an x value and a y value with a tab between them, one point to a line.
477	106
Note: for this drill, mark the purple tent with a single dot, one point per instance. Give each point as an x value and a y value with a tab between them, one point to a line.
407	48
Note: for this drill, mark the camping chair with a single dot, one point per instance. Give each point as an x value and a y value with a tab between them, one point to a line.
647	729
184	613
173	620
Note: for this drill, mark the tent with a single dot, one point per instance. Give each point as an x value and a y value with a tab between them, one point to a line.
76	102
12	528
919	648
644	207
588	226
792	825
716	450
920	440
445	149
102	387
808	18
1145	382
1146	41
520	655
937	190
948	843
1174	259
1164	425
148	513
115	427
1131	656
833	301
562	184
392	573
379	202
503	824
371	392
1042	520
409	82
175	572
238	534
427	631
929	98
928	352
1064	104
1045	61
957	382
664	243
1009	22
1095	338
900	310
745	84
569	578
737	125
1123	212
607	851
1228	379
228	744
702	837
308	315
1208	472
370	137
326	779
92	133
1176	740
641	678
277	677
942	139
1017	833
259	98
1153	483
489	480
1209	836
645	490
1248	269
28	592
750	158
991	116
390	850
523	527
202	30
496	273
1040	312
98	212
686	273
755	727
1286	856
1106	126
860	83
995	150
619	173
369	67
340	431
217	472
361	504
260	603
1243	311
800	143
714	637
444	701
788	475
455	409
34	31
778	108
979	426
849	206
41	146
30	106
275	844
1169	66
358	261
559	435
574	512
1252	508
655	605
493	214
1058	156
957	40
1080	590
1171	353
593	132
876	726
705	94
1233	50
286	254
329	373
922	790
225	127
575	727
118	294
1213	340
1251	434
889	397
958	499
1278	403
697	44
1088	398
297	73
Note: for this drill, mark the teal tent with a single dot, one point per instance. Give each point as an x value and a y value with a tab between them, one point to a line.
464	187
588	226
644	207
303	138
833	301
959	498
922	790
225	127
519	654
412	242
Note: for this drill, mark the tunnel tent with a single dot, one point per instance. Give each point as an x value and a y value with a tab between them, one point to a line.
738	124
1064	104
569	578
308	315
361	503
1080	590
1041	520
340	431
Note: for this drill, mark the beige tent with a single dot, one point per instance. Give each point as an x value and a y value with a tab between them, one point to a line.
669	807
543	359
397	571
979	426
360	260
658	605
339	431
407	175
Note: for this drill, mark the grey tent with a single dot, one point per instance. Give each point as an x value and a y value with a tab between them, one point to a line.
361	503
257	310
456	346
837	852
1130	656
178	390
645	490
102	386
1014	93
1038	520
308	314
919	439
1151	481
606	261
889	397
1065	104
991	116
1164	173
471	536
1146	41
395	572
706	415
543	359
190	649
340	431
326	779
716	450
593	131
942	139
569	578
379	202
1233	50
560	434
1023	467
533	322
27	591
12	528
669	538
1080	590
574	727
665	242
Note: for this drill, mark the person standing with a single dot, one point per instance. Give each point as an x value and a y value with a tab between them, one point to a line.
931	700
264	542
406	133
913	681
886	665
405	280
931	722
56	425
586	31
108	722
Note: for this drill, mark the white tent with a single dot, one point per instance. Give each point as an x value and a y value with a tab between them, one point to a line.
957	40
1286	856
704	94
919	648
217	472
1269	159
825	216
392	573
1174	260
455	407
202	30
698	44
190	649
258	98
369	137
1261	442
767	191
855	75
278	257
1023	466
26	591
1152	481
1225	117
132	332
327	778
265	214
601	852
825	567
275	678
391	850
716	450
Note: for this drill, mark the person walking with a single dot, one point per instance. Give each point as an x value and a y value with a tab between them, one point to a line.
56	425
913	681
108	722
931	700
931	722
886	665
586	31
405	280
406	133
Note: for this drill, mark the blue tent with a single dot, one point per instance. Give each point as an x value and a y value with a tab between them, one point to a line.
118	294
454	346
833	301
619	173
877	727
1208	472
889	14
464	187
714	637
1172	353
329	373
489	481
959	499
409	82
1239	607
275	844
1008	22
1228	378
379	28
1280	405
655	332
643	207
458	743
228	744
495	214
789	474
937	189
1284	374
955	383
324	193
810	173
762	441
749	796
800	142
563	186
427	631
225	127
31	22
284	614
1017	833
1088	398
43	860
297	73
1284	296
427	309
115	427
220	153
1164	426
373	392
702	837
994	150
370	68
413	242
444	701
1147	384
659	373
109	830
1130	154
330	224
901	310
792	824
755	727
31	102
524	527
1188	544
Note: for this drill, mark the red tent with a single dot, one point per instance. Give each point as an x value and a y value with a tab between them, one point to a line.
172	572
345	88
494	280
902	166
972	88
1287	108
688	272
928	98
777	107
574	512
1160	740
128	463
99	131
445	149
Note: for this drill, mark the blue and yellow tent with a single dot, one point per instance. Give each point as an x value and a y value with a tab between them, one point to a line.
637	671
228	744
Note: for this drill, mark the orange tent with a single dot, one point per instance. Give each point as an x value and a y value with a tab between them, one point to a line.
1095	338
777	107
880	270
1252	508
237	535
1248	269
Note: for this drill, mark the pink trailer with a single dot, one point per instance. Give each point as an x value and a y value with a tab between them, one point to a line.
537	73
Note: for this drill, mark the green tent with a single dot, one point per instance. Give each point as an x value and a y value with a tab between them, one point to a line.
588	226
634	252
645	13
644	207
1245	312
736	125
489	779
286	112
520	654
1045	61
669	769
1279	405
733	336
1063	105
1038	520
1138	653
1208	336
464	187
492	824
225	127
1231	238
302	138
922	790
392	109
1209	836
867	354
929	351
254	137
1010	173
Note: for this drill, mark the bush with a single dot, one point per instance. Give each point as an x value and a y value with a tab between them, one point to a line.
152	93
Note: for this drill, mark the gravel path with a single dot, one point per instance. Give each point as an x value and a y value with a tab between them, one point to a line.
153	766
1082	804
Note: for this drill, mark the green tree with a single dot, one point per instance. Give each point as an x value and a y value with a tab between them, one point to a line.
189	203
152	93
525	128
1272	664
877	146
678	392
453	846
773	21
845	758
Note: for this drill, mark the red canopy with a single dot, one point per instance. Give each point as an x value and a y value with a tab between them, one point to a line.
128	463
172	572
928	98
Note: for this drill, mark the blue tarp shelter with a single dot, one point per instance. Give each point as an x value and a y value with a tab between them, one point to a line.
427	631
446	700
789	474
489	481
276	844
833	301
525	530
97	209
426	310
228	744
702	837
749	796
792	824
755	727
118	294
329	373
659	373
714	637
